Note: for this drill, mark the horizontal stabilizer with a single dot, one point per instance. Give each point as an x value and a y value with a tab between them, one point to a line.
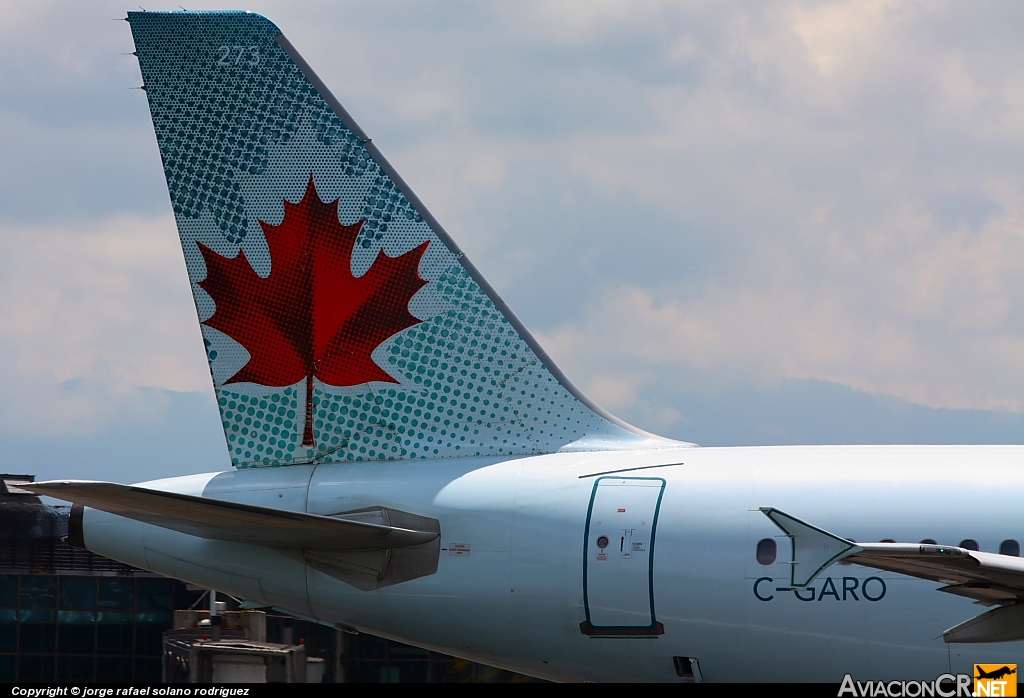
229	521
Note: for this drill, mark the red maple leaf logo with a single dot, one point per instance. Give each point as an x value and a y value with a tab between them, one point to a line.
311	317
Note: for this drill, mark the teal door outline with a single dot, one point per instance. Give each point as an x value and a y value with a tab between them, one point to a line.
591	549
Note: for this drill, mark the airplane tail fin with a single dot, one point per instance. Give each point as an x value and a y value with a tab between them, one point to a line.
341	321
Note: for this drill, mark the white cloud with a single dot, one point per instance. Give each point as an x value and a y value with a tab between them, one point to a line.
838	34
935	320
746	192
92	315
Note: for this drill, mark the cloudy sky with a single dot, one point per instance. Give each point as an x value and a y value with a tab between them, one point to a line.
732	223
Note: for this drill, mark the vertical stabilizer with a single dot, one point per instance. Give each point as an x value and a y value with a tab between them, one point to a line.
341	322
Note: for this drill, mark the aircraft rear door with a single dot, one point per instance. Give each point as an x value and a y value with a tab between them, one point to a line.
618	557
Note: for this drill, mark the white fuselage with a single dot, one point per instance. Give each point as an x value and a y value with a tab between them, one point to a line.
510	584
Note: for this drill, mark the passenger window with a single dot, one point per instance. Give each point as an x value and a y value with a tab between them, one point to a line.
766	551
969	544
929	541
887	540
1009	547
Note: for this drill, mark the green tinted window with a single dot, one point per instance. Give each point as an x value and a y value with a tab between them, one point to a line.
115	638
113	669
155	595
8	591
78	593
35	668
7	664
116	594
38	591
37	637
77	638
75	669
76	617
8	639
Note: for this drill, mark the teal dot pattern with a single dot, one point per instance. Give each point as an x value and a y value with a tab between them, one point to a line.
240	129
